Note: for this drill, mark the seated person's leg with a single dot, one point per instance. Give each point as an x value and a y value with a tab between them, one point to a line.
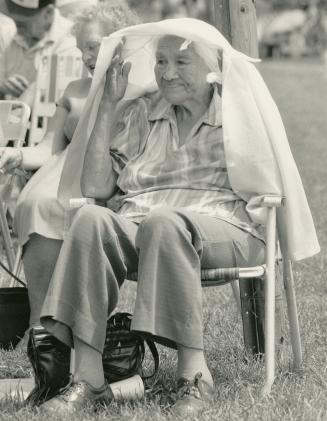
40	255
98	251
173	246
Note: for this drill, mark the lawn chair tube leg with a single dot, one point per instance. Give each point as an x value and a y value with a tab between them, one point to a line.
17	265
236	292
9	248
18	261
292	314
270	301
72	361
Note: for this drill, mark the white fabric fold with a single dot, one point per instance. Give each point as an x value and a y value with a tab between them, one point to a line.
259	159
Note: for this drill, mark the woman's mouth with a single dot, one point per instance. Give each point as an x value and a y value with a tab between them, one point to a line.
173	87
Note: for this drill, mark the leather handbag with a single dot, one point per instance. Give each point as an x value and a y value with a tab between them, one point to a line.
123	356
14	312
14	316
124	351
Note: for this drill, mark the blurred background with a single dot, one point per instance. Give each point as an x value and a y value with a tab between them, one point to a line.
286	28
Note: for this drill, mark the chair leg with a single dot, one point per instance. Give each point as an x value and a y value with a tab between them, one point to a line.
236	292
72	362
270	301
17	265
9	248
292	314
18	260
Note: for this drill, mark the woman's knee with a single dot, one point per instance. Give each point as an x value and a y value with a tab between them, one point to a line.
161	223
91	219
41	250
39	259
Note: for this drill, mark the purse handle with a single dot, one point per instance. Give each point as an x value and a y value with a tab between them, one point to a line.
155	355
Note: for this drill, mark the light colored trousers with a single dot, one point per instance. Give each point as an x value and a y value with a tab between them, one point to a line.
168	249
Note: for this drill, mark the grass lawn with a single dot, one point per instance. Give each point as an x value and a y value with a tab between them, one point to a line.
300	90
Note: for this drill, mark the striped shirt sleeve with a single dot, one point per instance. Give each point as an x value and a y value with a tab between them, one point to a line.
129	132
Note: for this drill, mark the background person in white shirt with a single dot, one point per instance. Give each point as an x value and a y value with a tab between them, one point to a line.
40	30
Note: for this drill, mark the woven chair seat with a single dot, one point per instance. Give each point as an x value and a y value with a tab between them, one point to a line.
220	276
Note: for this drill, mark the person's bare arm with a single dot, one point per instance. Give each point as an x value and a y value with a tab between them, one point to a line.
33	157
98	179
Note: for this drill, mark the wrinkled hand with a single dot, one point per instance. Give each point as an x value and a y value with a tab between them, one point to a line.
10	159
15	85
117	76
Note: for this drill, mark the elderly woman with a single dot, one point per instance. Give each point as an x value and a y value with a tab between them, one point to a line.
163	157
39	218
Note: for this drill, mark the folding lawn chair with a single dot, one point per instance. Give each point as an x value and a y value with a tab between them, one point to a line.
54	74
14	117
267	273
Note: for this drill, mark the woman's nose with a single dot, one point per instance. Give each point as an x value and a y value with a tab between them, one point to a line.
170	72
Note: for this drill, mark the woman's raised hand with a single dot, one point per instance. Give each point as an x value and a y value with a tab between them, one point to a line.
10	159
117	76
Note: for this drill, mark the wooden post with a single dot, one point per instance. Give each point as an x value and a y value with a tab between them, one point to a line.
210	11
236	20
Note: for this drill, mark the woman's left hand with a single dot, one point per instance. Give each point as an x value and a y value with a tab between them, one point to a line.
117	76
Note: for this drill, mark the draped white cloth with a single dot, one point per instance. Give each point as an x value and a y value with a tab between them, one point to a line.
259	159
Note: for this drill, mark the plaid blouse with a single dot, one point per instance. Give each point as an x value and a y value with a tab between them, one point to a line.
154	171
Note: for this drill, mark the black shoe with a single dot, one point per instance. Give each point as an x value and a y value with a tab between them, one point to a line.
50	360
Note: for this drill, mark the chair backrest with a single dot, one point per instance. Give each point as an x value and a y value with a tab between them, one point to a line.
54	74
14	116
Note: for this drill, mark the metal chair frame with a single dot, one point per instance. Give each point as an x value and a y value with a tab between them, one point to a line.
267	272
55	72
13	128
220	276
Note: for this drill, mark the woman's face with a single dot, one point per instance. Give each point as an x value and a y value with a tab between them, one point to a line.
180	74
88	42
